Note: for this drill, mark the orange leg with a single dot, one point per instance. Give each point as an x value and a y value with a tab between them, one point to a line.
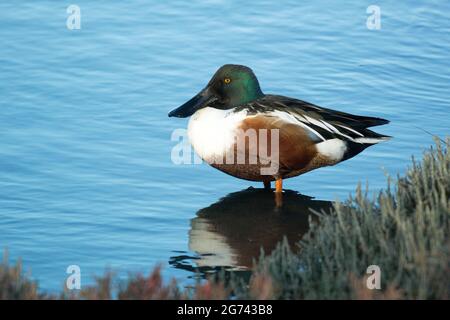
278	192
279	185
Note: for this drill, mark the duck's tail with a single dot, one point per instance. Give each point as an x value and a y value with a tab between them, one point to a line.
370	137
359	144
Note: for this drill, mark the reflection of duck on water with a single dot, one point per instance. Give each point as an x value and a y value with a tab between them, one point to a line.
231	232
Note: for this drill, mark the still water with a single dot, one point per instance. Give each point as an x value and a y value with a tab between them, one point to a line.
86	176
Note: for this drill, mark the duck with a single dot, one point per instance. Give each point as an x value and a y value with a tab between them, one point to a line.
239	130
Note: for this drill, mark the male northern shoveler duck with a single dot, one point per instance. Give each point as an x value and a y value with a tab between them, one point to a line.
309	136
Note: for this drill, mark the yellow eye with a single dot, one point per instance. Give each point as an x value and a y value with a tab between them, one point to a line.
227	80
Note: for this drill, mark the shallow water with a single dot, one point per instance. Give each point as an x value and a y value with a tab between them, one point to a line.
86	176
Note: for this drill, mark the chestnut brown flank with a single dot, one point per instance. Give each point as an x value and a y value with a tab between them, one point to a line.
297	152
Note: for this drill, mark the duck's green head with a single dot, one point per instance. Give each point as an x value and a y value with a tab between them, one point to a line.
231	86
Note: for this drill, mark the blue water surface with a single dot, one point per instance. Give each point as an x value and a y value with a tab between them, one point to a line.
86	176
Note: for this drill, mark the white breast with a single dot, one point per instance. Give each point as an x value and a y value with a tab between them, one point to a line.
212	131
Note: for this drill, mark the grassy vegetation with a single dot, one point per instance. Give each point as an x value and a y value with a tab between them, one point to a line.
13	283
404	230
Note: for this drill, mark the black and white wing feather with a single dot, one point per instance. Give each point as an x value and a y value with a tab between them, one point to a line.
322	123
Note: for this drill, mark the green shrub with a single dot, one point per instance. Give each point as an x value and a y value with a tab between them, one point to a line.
404	230
13	284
